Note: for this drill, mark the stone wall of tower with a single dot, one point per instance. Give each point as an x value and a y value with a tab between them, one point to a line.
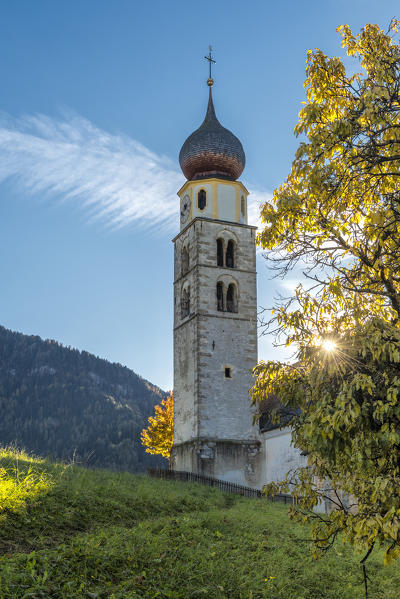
226	339
185	342
185	387
214	433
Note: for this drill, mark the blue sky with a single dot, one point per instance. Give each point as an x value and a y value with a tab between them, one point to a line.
97	99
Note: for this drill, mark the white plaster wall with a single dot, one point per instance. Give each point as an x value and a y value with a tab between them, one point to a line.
280	455
243	217
226	202
223	200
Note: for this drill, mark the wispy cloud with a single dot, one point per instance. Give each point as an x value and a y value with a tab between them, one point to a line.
289	284
114	178
257	198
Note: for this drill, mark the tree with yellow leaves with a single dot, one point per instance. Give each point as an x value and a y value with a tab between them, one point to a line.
336	220
158	437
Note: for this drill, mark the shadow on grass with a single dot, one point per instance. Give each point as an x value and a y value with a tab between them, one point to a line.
48	503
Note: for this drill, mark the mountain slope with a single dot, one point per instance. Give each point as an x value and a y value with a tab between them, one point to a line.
59	402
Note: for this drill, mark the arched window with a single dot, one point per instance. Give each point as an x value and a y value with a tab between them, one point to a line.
231	299
230	254
185	302
184	260
220	297
220	252
201	199
243	206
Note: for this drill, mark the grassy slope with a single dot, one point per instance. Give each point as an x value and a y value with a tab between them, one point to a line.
67	532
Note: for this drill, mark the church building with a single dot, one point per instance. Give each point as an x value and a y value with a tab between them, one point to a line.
215	318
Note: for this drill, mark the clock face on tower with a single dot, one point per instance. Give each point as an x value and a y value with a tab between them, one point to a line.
185	208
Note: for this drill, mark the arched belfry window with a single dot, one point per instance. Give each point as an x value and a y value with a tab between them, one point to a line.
230	254
184	260
231	299
243	207
185	302
220	252
201	199
220	297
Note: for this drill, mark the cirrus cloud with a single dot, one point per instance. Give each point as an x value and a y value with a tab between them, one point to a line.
113	177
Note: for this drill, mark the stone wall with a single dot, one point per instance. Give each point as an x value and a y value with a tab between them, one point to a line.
237	462
214	354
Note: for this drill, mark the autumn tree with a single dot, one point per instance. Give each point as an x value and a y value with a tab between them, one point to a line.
158	437
335	222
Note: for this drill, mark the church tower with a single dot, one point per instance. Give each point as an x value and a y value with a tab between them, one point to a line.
215	311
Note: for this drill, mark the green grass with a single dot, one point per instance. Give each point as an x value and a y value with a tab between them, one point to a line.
67	532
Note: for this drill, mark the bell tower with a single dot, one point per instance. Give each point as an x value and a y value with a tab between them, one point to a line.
215	311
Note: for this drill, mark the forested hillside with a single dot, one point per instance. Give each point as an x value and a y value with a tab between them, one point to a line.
59	402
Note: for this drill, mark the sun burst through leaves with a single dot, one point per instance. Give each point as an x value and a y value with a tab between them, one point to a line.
328	345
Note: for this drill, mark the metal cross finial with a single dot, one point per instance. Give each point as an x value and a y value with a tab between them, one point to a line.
210	62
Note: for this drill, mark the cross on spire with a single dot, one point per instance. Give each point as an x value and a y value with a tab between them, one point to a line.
211	61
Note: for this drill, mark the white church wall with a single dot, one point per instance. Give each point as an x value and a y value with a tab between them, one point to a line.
280	455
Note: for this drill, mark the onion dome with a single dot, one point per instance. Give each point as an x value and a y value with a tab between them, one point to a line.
212	150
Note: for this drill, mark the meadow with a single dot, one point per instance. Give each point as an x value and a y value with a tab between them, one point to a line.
67	532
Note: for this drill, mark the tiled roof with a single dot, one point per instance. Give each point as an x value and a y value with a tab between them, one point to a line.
272	409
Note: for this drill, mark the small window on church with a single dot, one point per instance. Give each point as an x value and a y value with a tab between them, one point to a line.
220	297
231	299
184	260
201	199
228	372
220	252
243	206
185	302
230	254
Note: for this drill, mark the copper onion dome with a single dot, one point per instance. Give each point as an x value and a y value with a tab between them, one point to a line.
212	150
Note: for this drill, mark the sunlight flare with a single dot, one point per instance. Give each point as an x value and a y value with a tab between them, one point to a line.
328	345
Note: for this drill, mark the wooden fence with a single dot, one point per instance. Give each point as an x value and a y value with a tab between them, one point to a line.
223	485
